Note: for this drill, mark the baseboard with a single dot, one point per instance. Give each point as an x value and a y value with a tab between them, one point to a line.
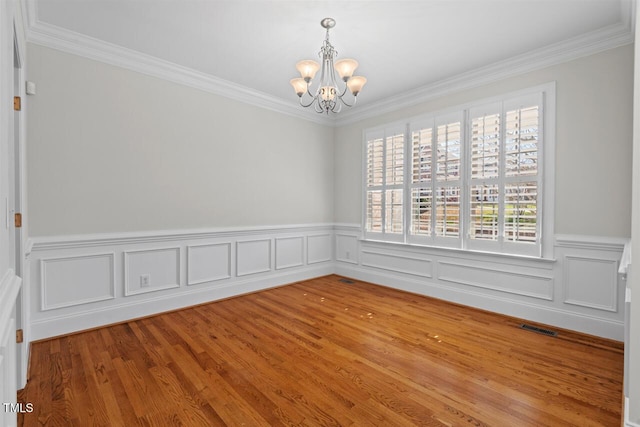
627	422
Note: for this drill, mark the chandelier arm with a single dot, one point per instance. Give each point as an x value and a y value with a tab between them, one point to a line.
346	103
355	99
307	105
341	96
313	98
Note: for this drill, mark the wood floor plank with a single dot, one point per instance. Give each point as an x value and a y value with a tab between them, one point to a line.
325	353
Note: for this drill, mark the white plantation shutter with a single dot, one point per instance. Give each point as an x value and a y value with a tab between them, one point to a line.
385	171
374	211
484	212
485	144
520	212
394	179
421	185
471	179
521	146
485	155
448	179
503	177
522	175
374	184
435	187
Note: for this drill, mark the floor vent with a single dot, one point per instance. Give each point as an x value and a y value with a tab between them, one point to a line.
346	281
539	330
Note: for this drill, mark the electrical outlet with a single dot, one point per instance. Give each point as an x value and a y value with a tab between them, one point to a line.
145	280
348	255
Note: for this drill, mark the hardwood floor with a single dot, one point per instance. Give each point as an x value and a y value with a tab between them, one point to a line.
324	353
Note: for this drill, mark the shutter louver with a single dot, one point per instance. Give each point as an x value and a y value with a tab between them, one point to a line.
485	173
448	212
421	185
395	160
422	155
393	211
521	146
374	211
485	146
484	212
421	208
375	155
447	197
448	145
521	212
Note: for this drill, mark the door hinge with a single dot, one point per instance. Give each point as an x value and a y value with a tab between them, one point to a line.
19	336
18	220
17	104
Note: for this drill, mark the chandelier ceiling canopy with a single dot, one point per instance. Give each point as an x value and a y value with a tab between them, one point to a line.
330	93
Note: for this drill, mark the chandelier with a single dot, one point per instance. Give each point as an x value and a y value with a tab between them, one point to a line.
329	95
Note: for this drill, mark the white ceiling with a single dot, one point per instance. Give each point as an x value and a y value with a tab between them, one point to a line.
401	45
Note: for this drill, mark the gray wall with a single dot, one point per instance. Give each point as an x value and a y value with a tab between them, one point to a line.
593	143
112	150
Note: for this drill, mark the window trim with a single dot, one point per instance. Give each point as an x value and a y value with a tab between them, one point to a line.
545	177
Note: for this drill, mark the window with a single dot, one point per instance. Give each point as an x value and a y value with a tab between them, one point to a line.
468	179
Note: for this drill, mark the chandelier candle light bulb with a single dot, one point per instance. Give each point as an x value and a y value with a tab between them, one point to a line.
329	95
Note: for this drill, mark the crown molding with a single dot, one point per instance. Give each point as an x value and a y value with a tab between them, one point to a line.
588	44
78	44
610	37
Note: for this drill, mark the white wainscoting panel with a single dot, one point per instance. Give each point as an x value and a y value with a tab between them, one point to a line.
497	278
161	267
253	256
591	282
289	252
347	248
184	268
577	288
208	263
398	262
319	248
76	280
